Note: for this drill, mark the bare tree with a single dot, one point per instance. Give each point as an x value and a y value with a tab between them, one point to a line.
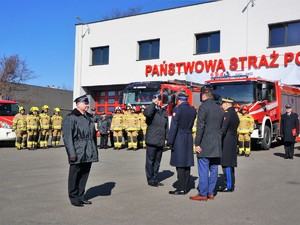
13	70
117	13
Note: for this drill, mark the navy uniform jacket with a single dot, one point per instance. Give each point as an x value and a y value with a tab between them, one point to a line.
229	133
157	126
208	134
287	124
180	135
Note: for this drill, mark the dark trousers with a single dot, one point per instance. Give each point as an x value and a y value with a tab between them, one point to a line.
111	136
153	158
103	140
183	176
229	180
289	149
78	176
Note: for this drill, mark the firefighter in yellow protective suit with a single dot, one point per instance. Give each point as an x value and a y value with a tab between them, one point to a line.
126	113
245	129
56	122
20	127
132	126
194	129
45	125
33	126
143	127
117	125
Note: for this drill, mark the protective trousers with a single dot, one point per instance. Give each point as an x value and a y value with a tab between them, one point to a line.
21	139
244	143
56	135
132	139
32	137
44	136
118	138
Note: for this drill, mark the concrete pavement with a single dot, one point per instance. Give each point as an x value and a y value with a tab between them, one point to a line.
33	190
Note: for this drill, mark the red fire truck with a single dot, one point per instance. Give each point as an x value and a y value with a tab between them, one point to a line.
8	109
266	100
140	93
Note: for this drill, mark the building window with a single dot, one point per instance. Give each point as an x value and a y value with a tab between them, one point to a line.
208	42
149	49
111	93
284	34
100	55
111	101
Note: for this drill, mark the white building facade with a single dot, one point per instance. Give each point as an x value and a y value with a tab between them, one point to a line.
254	37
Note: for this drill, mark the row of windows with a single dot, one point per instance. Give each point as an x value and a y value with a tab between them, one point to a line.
283	34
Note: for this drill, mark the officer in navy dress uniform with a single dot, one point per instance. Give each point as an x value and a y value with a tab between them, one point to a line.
229	133
289	130
181	142
79	137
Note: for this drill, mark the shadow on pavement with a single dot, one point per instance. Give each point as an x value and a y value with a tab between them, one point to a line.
165	174
282	155
100	190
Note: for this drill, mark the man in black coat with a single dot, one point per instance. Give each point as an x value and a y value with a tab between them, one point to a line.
181	142
79	137
289	130
156	136
104	129
229	134
208	145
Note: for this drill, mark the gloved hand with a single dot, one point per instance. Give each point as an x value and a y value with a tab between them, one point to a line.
72	159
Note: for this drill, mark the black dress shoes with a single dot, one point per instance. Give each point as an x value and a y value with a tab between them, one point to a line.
86	202
177	192
77	204
155	184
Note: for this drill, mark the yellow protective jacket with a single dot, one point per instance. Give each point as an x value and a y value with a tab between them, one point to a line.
45	122
132	122
56	122
246	123
33	122
19	122
142	120
117	122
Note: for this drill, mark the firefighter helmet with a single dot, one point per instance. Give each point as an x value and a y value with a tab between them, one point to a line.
34	108
21	108
236	106
142	107
118	108
244	107
45	107
56	109
133	108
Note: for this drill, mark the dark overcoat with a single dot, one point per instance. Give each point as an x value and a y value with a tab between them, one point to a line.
180	135
208	134
104	125
229	134
79	137
289	122
157	126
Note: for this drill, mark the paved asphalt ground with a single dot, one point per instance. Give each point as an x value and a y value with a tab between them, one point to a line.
33	190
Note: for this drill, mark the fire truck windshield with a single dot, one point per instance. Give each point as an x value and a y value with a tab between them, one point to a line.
8	109
139	96
241	93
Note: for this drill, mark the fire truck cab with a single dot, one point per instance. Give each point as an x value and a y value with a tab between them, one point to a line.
8	109
265	98
141	93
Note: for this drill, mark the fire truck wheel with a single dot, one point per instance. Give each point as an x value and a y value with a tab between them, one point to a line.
266	141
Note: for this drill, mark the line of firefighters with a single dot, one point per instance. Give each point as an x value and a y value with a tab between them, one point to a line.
130	125
135	126
34	129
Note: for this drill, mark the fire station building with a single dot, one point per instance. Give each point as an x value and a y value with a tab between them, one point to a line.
218	38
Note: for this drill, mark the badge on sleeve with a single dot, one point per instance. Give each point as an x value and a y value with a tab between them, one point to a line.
174	114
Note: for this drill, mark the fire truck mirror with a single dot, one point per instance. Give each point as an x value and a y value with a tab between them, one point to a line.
265	91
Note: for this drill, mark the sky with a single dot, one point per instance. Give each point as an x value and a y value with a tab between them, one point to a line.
42	32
